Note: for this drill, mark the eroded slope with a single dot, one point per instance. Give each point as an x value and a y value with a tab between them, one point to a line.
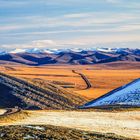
29	95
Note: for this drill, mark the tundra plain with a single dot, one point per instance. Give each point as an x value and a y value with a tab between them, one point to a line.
102	78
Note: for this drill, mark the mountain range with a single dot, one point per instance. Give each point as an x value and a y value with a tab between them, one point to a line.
37	57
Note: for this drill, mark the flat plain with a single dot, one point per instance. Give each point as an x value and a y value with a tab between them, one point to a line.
120	122
103	78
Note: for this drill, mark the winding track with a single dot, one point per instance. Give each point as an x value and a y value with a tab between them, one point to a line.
84	78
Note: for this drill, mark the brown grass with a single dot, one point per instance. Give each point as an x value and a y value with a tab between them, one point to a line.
100	121
104	78
13	117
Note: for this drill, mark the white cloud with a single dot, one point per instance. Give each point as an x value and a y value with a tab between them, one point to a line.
43	43
64	27
107	39
113	1
84	41
10	27
86	19
90	19
33	44
12	3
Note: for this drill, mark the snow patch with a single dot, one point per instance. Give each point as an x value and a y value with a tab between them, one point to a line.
35	127
18	51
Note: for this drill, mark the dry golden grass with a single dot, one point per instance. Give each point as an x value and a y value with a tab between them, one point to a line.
13	117
102	122
104	81
102	77
2	111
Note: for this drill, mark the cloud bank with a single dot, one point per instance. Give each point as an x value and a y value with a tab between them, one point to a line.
69	23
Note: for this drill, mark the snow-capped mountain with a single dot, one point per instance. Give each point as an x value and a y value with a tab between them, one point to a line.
77	50
107	49
76	56
18	51
52	51
126	95
34	50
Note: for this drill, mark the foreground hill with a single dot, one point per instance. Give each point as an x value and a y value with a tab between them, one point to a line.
108	122
52	132
35	95
42	57
127	95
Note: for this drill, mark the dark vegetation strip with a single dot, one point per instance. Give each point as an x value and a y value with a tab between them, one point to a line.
41	132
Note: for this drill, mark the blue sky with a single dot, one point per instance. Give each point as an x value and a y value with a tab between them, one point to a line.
69	23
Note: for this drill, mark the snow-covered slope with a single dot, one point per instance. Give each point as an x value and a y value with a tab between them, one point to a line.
52	51
35	51
126	95
18	51
107	50
3	52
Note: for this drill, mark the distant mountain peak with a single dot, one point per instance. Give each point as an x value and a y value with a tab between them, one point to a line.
78	50
18	51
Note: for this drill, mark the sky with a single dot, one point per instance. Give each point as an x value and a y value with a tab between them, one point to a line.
69	23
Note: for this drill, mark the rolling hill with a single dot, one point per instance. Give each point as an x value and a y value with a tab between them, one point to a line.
127	95
35	94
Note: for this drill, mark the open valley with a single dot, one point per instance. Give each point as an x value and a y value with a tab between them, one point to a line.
102	78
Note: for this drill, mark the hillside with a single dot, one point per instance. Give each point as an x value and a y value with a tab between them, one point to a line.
127	95
35	95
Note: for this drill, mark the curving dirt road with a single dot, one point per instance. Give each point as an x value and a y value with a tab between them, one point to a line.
9	111
84	78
